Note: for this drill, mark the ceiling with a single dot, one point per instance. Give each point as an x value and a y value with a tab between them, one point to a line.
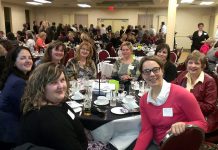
115	3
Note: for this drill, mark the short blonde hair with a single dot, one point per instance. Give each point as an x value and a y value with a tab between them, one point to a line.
128	44
197	56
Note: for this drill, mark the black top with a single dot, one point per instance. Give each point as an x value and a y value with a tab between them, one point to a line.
2	64
52	127
197	40
170	71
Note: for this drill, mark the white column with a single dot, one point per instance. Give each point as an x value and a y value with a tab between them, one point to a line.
2	18
171	22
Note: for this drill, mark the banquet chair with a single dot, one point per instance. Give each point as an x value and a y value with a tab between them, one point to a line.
179	53
173	57
191	139
102	55
69	55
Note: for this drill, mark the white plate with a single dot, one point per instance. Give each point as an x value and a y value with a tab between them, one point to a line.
117	110
107	61
140	94
101	102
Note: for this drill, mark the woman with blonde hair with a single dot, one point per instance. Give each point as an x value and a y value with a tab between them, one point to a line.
126	68
82	65
40	42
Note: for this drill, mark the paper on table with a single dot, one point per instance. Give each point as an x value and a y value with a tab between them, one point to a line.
103	86
76	106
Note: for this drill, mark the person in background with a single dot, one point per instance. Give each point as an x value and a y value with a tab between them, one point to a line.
212	56
165	108
12	39
2	37
82	64
55	53
163	53
198	37
201	85
12	82
47	120
163	28
40	45
30	42
208	44
3	53
126	68
216	34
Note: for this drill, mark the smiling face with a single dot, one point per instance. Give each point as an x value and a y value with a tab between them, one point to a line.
84	51
162	54
194	67
24	61
126	52
55	91
57	54
154	77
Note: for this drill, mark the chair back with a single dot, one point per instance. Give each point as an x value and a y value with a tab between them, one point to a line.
102	55
69	55
179	53
173	57
190	139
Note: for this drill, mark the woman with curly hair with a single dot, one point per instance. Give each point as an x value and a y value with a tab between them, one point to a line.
82	65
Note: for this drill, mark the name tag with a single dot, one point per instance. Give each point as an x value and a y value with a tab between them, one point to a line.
167	112
131	67
70	114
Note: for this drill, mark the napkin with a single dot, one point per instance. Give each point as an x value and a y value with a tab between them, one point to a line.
116	83
77	107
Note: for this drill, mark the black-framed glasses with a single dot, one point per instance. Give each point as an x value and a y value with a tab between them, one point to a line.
155	70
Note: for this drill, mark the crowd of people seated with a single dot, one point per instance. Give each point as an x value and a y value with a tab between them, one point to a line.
44	110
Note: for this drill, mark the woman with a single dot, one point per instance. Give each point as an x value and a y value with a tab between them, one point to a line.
212	56
201	85
126	68
55	53
47	120
30	42
163	53
13	80
40	42
198	37
166	107
82	65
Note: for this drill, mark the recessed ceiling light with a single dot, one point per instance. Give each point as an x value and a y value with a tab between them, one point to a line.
84	5
187	1
42	1
206	3
34	3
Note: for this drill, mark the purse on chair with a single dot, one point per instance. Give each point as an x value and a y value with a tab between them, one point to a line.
190	139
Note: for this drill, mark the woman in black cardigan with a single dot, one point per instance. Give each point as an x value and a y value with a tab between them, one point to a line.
163	53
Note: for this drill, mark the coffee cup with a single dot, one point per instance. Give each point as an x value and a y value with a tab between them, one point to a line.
129	98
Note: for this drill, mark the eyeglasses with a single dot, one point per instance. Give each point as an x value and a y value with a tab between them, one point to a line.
155	70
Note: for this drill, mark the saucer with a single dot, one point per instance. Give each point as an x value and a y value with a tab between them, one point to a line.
118	111
101	102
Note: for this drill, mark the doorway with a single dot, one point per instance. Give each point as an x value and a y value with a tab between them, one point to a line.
7	12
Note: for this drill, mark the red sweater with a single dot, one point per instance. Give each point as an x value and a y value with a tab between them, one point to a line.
154	125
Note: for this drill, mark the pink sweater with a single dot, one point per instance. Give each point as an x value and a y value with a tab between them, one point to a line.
154	125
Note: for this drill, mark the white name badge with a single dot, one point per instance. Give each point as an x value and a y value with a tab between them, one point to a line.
131	67
70	114
167	112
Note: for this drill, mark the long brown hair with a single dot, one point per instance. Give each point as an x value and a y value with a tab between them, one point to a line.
34	94
48	52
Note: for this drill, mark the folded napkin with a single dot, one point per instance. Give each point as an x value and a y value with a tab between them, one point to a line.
117	131
131	105
77	107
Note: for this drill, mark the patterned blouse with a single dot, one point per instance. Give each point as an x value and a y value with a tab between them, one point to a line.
74	70
121	69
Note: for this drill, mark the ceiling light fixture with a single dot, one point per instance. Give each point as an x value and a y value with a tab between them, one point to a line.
84	5
206	3
42	1
34	3
187	1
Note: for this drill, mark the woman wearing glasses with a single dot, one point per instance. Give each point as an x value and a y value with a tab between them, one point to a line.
166	107
82	65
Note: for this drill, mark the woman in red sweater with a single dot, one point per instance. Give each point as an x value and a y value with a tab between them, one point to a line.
166	107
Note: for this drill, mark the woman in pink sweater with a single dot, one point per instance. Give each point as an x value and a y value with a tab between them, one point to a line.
166	107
